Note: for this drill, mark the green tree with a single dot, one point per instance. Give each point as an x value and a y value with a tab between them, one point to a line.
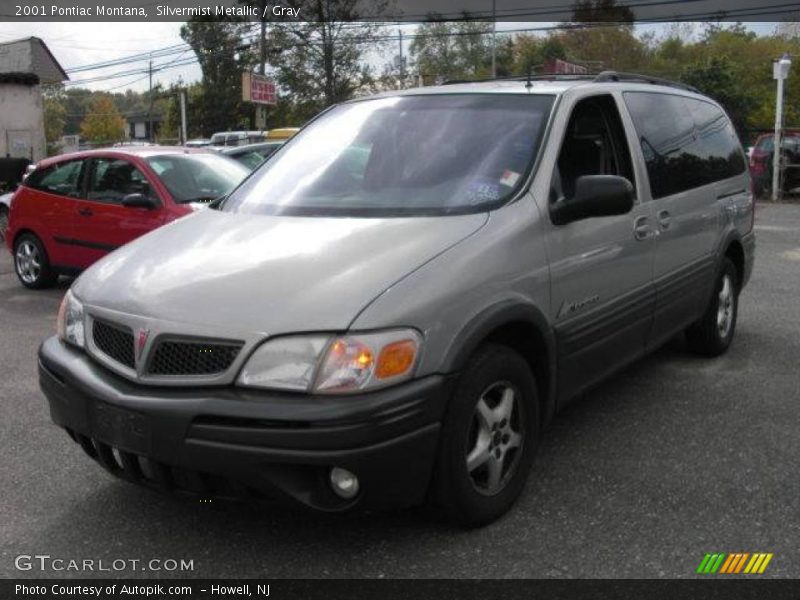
322	60
172	113
529	52
446	50
604	47
54	118
222	57
103	123
716	78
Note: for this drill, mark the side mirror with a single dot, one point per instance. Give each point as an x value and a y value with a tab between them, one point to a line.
139	201
595	196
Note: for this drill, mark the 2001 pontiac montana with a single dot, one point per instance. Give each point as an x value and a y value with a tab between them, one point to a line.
392	308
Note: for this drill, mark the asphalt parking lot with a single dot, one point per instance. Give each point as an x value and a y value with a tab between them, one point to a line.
675	457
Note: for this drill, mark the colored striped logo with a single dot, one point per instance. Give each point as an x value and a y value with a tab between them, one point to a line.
735	562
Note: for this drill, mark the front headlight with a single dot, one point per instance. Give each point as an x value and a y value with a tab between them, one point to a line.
70	321
338	365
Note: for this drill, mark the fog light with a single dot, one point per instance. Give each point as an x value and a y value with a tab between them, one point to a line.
344	483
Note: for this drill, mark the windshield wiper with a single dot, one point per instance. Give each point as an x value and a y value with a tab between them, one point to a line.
217	202
201	199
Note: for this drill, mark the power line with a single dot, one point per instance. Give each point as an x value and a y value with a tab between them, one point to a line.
176	49
475	16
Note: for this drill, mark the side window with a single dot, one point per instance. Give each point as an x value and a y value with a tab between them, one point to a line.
666	133
686	143
113	179
62	178
594	144
719	145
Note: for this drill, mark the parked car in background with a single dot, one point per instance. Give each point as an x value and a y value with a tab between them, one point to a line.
252	155
5	208
761	161
237	138
198	143
76	208
392	307
282	133
14	171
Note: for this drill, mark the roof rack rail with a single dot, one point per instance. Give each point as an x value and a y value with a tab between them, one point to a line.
539	77
602	77
608	76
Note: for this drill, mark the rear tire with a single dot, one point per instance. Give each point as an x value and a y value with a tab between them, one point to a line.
713	333
489	437
32	264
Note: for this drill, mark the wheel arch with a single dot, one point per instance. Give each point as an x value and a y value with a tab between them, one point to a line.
735	251
22	231
523	328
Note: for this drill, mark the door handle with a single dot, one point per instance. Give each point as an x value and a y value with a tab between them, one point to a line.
85	212
664	219
641	229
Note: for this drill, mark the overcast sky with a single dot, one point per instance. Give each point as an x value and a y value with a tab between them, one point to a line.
77	44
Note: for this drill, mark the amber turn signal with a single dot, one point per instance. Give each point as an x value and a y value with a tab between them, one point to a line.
396	359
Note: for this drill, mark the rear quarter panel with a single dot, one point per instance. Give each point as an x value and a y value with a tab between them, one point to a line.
31	211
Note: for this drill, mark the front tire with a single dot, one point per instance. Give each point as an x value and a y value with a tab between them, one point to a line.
713	333
32	264
489	437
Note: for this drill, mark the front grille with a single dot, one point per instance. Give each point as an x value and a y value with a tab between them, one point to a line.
193	358
115	341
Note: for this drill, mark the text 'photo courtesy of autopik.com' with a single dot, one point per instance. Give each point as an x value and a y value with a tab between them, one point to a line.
350	299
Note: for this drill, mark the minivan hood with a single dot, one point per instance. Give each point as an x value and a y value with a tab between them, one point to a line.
266	274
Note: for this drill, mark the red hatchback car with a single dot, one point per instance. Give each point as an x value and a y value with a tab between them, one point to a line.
76	208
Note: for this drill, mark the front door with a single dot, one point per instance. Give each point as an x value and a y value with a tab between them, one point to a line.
103	223
601	268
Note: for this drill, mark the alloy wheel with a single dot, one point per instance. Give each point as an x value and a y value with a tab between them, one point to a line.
28	262
725	307
495	439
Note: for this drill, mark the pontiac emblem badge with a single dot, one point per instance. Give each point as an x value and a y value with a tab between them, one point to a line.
140	342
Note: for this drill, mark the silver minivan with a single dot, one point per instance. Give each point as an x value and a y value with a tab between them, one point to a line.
392	308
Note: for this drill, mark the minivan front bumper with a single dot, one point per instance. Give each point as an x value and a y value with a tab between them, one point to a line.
226	441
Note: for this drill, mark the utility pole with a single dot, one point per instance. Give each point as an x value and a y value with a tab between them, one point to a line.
184	136
780	71
263	39
150	106
494	40
261	110
402	64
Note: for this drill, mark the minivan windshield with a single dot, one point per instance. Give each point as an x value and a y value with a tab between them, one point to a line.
401	156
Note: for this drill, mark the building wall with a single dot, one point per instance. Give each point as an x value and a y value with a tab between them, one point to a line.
29	56
21	121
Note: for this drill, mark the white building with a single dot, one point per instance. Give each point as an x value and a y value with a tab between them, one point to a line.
25	65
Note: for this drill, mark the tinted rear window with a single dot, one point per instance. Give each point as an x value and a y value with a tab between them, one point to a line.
686	142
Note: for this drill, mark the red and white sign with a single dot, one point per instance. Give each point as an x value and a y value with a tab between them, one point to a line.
258	89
